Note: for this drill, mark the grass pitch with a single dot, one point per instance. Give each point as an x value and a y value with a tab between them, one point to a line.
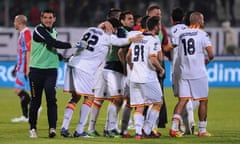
223	121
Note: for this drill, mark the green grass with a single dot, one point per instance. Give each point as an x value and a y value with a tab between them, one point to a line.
223	121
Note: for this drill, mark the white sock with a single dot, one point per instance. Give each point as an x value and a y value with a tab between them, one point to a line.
68	115
175	122
139	120
112	116
107	119
125	118
85	109
148	111
94	115
202	126
195	104
190	114
151	121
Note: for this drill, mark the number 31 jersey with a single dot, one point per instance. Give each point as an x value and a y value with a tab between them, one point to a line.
191	53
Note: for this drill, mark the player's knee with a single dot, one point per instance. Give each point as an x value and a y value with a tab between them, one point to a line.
117	101
88	101
97	103
75	98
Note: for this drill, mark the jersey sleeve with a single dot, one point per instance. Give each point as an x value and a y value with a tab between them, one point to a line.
40	34
155	47
174	37
28	37
133	33
114	40
206	40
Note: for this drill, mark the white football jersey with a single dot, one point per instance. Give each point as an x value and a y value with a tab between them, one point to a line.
99	42
141	51
175	31
191	53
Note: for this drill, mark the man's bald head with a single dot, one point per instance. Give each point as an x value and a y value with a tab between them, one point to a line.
197	19
21	19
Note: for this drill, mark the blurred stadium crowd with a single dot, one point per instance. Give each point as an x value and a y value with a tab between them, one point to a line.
84	13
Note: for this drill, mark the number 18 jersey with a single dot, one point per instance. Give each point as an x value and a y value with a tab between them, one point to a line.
191	53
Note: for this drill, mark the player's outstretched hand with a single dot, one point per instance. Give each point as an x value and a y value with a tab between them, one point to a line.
107	27
81	44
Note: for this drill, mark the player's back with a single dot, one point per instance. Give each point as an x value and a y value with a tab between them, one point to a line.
90	58
191	53
175	31
141	52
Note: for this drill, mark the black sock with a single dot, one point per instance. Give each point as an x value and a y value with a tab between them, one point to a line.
25	101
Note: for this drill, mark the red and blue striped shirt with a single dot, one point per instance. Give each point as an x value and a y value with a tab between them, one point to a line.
23	46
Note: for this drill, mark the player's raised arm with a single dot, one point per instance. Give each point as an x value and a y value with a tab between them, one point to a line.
125	41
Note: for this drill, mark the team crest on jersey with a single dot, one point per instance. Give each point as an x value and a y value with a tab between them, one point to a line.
155	46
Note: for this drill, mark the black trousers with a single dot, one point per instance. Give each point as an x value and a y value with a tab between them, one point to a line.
43	79
162	119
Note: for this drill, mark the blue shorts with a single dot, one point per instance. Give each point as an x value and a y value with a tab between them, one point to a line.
21	82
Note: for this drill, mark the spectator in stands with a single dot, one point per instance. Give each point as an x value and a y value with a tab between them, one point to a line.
228	7
34	15
137	22
230	41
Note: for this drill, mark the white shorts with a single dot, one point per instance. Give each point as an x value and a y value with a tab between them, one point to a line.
145	93
193	88
78	81
108	84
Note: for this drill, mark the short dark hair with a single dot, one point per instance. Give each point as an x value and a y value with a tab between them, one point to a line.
144	21
112	13
115	22
152	22
123	15
152	7
177	14
48	11
187	18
